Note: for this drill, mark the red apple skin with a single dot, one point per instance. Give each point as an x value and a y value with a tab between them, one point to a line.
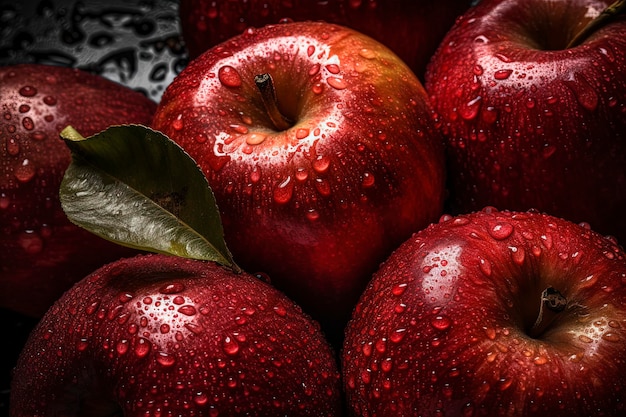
41	252
319	205
442	329
161	335
411	28
530	124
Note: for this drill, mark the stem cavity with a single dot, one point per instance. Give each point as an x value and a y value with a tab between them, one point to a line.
609	14
552	303
265	84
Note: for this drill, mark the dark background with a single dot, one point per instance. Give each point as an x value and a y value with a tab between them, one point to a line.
133	42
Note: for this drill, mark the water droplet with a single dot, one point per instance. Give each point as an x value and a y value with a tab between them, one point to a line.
471	108
229	76
28	91
611	337
337	83
25	172
302	133
322	187
5	201
12	146
122	347
368	180
333	68
367	53
585	93
24	108
501	230
397	336
230	346
314	70
283	191
518	254
38	135
50	100
399	289
200	398
310	50
142	348
173	288
187	310
441	322
28	123
321	164
165	359
505	383
318	88
485	266
502	74
255	138
312	214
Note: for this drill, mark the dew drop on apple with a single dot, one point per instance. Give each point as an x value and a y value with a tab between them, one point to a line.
187	310
322	187
165	359
229	76
501	230
441	322
172	288
284	191
471	108
321	164
315	68
28	91
318	88
230	346
30	242
502	74
337	83
585	93
5	201
50	100
485	266
302	133
122	347
142	347
12	146
255	138
200	398
82	345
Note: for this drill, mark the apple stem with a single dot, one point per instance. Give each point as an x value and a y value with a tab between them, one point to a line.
265	84
552	303
607	15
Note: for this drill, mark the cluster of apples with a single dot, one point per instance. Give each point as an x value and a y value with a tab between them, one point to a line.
305	223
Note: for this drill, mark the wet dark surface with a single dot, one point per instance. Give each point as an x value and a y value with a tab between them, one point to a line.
133	42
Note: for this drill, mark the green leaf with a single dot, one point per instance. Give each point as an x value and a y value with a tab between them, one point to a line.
134	186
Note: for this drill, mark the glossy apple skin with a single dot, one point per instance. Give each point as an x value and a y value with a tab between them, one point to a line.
530	124
410	28
161	335
41	252
318	206
442	329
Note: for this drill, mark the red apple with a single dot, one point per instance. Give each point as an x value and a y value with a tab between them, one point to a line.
531	122
410	28
320	167
158	335
41	252
492	313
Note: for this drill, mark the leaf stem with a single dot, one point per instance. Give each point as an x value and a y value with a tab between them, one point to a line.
552	303
610	13
265	84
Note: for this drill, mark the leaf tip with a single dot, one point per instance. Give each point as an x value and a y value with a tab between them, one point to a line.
71	134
